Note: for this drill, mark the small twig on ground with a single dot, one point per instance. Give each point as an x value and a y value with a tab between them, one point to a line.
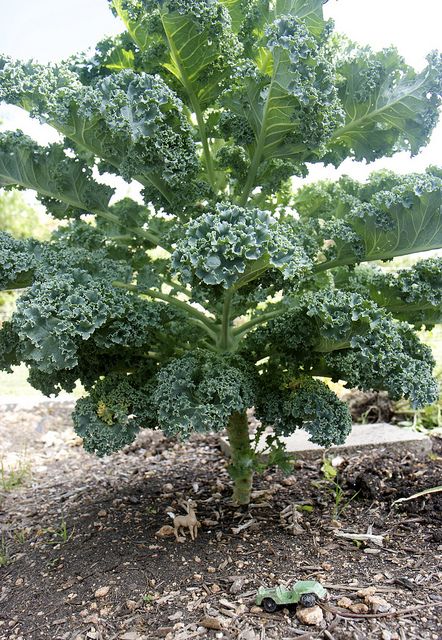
241	527
361	537
346	587
390	614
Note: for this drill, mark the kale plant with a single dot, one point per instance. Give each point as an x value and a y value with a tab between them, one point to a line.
220	288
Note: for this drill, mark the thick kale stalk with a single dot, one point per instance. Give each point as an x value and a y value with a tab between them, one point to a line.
241	467
220	289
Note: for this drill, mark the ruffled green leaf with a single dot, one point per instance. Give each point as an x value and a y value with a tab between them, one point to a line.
111	416
413	294
17	262
133	122
388	106
200	391
389	216
234	244
65	184
288	404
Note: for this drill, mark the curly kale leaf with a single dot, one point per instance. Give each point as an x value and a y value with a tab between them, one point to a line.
111	416
9	347
413	294
288	101
306	403
144	116
146	324
200	391
17	261
390	215
347	337
64	184
221	247
53	316
389	358
388	106
93	364
132	121
193	40
111	55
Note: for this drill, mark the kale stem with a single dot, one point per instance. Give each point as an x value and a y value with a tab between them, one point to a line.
256	161
206	322
241	467
225	337
197	110
108	215
264	317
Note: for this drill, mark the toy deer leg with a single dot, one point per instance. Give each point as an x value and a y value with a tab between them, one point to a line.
177	533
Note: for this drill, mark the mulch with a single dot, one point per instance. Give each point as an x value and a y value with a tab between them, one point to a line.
82	561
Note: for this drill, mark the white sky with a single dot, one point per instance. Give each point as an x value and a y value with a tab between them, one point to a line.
49	30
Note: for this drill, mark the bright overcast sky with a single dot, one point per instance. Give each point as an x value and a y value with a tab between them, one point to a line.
48	30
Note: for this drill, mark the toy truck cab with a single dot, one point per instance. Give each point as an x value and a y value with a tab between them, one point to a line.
306	592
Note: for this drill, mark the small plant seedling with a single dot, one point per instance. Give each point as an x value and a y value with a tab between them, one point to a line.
13	476
305	507
20	535
151	510
331	478
4	554
148	598
62	534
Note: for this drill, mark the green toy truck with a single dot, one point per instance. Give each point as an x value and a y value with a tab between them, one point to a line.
306	592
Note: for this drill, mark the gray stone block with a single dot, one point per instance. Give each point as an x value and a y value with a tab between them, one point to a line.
363	437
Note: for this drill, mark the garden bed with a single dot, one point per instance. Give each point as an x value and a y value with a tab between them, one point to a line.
81	559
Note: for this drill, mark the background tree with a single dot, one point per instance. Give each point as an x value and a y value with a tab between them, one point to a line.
21	220
253	293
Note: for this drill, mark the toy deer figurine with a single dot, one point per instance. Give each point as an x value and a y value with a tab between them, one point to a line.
190	521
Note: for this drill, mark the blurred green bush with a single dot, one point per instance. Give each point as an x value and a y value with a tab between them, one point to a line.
21	220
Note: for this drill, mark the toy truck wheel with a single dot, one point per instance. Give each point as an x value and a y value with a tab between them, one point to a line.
269	605
308	600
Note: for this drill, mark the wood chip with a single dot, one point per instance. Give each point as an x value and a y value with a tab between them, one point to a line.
102	592
211	623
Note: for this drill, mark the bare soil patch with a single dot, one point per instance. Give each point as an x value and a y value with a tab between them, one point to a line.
83	562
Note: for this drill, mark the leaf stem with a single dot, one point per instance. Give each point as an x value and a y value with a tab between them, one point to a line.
148	235
253	170
261	319
179	304
196	108
225	341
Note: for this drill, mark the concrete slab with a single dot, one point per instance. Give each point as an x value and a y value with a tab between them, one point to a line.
362	437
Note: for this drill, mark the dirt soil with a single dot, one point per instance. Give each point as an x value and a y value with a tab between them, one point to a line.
81	559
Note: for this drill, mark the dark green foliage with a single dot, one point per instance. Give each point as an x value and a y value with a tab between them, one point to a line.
304	402
106	420
413	294
9	343
16	261
199	392
388	106
219	288
53	317
389	357
388	216
348	338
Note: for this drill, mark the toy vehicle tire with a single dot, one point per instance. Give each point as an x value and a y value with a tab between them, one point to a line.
269	605
307	600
